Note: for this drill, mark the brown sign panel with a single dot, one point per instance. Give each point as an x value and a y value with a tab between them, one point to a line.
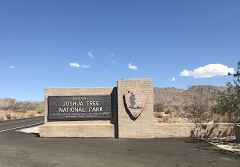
70	108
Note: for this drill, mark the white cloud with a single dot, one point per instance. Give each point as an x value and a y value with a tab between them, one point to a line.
208	71
185	73
132	67
173	79
76	65
85	66
90	55
12	67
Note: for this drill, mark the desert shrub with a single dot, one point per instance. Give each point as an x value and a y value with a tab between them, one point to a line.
174	114
8	116
31	114
39	108
2	117
158	107
217	118
197	110
158	114
13	105
228	102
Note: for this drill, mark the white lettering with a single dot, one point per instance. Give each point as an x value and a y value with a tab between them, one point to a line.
93	103
63	109
72	103
95	109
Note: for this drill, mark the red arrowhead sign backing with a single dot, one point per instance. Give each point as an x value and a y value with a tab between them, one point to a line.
135	101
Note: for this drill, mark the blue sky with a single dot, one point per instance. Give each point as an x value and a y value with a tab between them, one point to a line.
90	43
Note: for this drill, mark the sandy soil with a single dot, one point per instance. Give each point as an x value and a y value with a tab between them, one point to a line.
227	144
34	129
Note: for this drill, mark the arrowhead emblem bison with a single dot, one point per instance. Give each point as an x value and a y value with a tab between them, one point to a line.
134	102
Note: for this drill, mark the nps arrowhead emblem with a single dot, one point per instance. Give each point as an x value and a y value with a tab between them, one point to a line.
135	101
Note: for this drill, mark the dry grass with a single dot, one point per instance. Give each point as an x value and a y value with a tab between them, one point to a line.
174	114
11	115
158	114
172	117
197	113
31	114
2	117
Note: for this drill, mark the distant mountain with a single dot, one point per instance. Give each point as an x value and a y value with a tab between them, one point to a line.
184	106
179	97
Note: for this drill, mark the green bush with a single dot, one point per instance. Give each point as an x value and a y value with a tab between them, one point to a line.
228	102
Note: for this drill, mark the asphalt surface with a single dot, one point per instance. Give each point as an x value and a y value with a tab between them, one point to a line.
19	149
20	123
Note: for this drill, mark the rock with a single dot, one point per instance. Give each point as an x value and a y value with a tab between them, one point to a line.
237	132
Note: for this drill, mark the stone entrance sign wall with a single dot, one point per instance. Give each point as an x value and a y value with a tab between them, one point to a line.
71	112
143	126
125	111
100	112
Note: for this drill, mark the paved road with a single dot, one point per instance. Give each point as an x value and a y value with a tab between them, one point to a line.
20	123
19	149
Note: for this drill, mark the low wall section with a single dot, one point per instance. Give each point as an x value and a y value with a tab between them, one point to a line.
200	130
